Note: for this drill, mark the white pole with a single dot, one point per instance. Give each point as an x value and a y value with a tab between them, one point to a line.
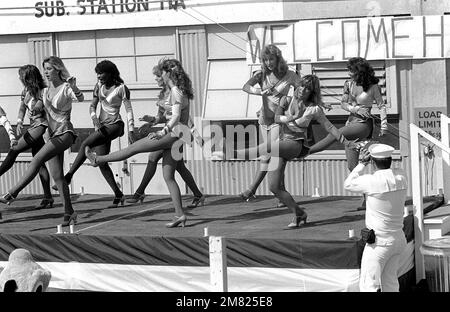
218	263
417	202
445	156
417	194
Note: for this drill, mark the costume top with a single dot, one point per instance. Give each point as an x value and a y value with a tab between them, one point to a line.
297	129
58	109
35	109
110	102
356	96
273	89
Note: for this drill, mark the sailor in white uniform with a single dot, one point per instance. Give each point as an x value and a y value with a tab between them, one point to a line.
386	193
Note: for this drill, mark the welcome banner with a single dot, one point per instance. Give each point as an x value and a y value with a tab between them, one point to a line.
328	40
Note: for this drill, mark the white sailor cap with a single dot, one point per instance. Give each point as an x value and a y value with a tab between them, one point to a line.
381	150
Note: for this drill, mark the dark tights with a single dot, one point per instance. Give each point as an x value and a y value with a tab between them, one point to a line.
280	152
351	131
150	170
53	153
32	138
101	140
170	144
268	135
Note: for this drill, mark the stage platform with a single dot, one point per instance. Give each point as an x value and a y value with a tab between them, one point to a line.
128	248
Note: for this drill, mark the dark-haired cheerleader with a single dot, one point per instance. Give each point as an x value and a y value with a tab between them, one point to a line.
111	92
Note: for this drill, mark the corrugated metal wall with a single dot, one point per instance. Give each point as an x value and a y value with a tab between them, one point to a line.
302	177
329	175
194	55
40	46
326	175
234	177
11	177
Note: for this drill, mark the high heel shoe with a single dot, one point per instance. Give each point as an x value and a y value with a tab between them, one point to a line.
116	201
177	220
297	220
247	195
92	156
45	202
70	218
280	205
197	201
136	197
7	199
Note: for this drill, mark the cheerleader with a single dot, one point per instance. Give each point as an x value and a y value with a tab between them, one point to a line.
274	80
111	92
31	101
177	114
57	99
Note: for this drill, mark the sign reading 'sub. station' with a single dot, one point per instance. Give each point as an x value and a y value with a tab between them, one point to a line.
96	7
402	37
35	16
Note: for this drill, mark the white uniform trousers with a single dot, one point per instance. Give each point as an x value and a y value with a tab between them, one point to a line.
380	263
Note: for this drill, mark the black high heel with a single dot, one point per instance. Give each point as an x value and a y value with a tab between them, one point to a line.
297	220
7	199
69	218
92	156
116	201
136	197
197	201
247	195
44	203
177	220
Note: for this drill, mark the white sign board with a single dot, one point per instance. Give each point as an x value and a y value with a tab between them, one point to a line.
373	38
34	16
429	120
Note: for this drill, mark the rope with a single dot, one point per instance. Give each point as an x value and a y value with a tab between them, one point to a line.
215	33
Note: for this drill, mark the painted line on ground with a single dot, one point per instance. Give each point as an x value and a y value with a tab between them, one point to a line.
127	215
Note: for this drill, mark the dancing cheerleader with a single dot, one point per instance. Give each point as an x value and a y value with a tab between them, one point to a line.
168	139
275	80
57	99
294	115
111	92
360	94
154	157
32	137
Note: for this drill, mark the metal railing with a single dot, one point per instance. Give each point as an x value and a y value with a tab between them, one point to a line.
417	191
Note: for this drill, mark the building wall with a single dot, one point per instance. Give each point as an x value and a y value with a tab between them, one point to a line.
417	84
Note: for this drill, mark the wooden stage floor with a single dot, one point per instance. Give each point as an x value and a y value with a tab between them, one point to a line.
329	217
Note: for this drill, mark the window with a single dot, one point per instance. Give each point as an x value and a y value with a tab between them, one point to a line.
134	51
15	47
225	99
